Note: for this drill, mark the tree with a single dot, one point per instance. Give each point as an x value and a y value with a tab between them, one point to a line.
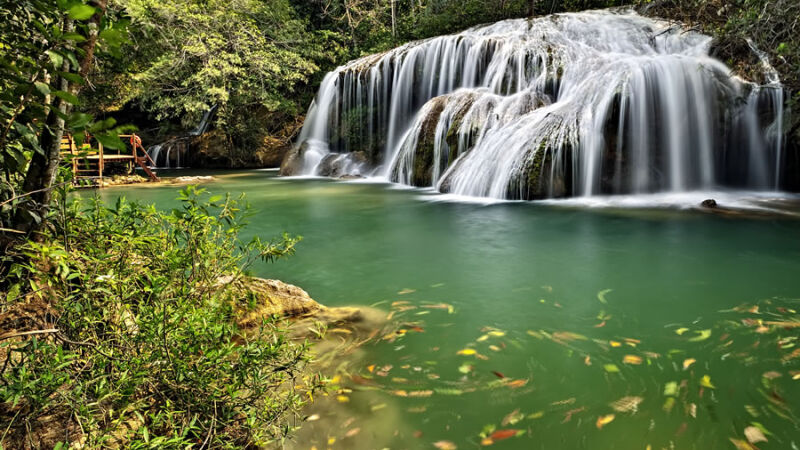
47	51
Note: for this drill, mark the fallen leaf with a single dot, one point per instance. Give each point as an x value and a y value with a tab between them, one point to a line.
706	382
702	335
494	348
688	362
483	338
406	291
445	445
499	435
671	389
498	374
342	398
601	324
487	441
587	360
771	375
680	331
742	445
312	418
466	352
426	393
517	383
754	435
602	295
604	420
512	418
611	368
629	404
496	333
632	359
352	432
615	343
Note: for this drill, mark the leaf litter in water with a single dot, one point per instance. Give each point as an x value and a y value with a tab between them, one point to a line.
629	404
602	295
604	420
445	445
754	435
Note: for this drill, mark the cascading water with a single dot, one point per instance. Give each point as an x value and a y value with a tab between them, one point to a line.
601	102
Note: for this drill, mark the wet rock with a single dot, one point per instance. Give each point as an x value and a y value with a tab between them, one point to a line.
259	298
293	160
709	203
337	165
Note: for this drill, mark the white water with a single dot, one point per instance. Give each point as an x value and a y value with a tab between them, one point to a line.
604	102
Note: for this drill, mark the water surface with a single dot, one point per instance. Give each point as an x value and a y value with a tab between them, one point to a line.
575	309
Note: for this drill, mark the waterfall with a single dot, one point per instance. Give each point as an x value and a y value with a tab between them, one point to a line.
599	102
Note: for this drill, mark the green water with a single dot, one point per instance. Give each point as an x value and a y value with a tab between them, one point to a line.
516	273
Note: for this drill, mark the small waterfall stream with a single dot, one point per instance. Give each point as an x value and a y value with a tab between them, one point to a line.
600	102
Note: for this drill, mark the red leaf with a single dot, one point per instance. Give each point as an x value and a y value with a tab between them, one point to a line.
499	435
498	374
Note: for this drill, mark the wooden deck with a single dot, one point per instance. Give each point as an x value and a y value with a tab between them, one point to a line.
90	163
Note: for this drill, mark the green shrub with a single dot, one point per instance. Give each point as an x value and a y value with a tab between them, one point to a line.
138	344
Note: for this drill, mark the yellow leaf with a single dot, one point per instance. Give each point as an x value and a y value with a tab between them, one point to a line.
680	331
445	445
466	352
342	398
702	335
688	362
483	338
615	344
497	333
706	382
632	359
604	420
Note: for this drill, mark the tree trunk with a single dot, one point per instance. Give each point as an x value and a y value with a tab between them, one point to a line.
394	19
43	168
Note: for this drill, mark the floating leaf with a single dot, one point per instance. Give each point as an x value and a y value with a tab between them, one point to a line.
688	362
483	338
611	368
445	445
669	403
602	295
498	374
406	291
604	420
512	418
680	331
500	435
671	389
352	432
496	333
702	335
342	398
536	415
706	382
629	404
312	418
466	352
632	359
515	384
465	368
615	343
754	435
742	445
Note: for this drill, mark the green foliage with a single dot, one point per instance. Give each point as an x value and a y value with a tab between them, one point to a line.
241	55
45	47
144	349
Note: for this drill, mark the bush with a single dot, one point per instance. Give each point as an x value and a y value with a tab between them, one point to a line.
134	341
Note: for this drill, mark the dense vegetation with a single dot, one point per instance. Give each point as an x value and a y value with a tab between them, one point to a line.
131	336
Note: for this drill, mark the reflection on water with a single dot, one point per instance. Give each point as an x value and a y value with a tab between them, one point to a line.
575	328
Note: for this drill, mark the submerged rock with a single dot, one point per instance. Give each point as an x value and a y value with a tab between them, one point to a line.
259	298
